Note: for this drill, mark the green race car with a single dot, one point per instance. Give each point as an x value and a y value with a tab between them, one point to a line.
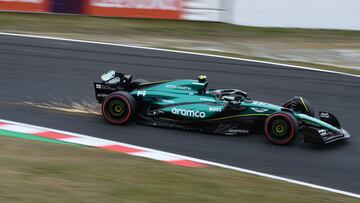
189	105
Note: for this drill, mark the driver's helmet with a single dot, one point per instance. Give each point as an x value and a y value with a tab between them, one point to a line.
202	78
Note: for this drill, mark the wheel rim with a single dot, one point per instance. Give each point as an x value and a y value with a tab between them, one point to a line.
279	128
117	109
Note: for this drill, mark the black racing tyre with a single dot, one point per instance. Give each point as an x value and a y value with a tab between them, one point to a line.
281	128
119	108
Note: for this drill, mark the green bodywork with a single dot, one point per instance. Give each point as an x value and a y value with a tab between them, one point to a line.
189	101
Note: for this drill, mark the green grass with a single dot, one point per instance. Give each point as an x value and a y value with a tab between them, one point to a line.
34	171
183	35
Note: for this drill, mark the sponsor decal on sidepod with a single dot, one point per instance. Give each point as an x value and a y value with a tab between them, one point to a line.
179	87
216	108
188	113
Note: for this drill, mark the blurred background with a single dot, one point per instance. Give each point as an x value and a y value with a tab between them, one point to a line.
322	34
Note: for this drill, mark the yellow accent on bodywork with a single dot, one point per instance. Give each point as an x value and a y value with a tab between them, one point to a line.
149	83
302	101
241	115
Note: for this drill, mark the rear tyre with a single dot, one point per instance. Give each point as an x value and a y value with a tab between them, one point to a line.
119	108
281	128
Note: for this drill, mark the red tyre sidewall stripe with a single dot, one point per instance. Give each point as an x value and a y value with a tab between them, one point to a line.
289	120
105	114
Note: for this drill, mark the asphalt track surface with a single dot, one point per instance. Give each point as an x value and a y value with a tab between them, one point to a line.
41	70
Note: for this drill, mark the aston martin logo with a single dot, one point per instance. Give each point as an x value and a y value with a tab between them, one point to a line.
259	110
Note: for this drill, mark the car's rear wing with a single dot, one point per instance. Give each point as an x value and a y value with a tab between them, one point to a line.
112	81
102	90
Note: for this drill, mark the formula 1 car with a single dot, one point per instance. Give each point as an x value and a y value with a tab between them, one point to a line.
188	105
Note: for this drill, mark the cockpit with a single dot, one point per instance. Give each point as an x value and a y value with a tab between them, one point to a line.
229	95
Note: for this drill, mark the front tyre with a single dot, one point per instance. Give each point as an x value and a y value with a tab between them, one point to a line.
119	108
281	128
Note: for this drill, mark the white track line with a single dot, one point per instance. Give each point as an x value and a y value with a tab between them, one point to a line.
192	159
87	142
156	156
20	129
176	51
